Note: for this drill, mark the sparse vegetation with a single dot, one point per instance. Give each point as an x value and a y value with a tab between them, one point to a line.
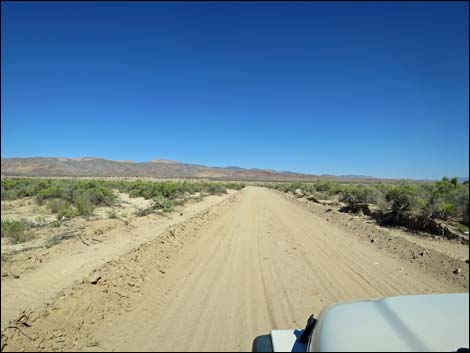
40	220
52	241
83	203
171	189
416	206
66	213
356	198
143	212
16	231
72	198
112	214
57	205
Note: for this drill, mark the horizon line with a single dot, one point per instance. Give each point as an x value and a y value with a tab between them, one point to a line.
170	161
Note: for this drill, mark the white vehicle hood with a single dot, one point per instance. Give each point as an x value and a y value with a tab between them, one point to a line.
406	323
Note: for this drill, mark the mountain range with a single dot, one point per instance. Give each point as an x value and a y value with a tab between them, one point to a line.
158	168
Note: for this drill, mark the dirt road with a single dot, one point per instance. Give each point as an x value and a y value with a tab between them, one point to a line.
256	263
70	263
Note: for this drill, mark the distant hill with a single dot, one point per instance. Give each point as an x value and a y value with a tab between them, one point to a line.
357	176
158	168
163	161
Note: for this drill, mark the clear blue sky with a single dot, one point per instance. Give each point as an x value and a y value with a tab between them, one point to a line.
375	89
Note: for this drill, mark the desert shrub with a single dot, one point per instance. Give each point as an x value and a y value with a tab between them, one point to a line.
234	186
319	195
80	197
459	198
168	208
327	186
376	196
462	208
322	185
143	212
172	190
9	194
57	205
291	187
55	191
306	188
52	242
358	197
444	199
83	203
402	198
161	203
16	231
99	192
68	212
354	196
446	209
62	208
61	194
455	182
39	221
216	189
18	187
169	189
279	187
406	204
112	214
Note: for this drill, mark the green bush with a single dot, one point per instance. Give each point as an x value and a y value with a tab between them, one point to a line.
329	187
172	190
161	203
446	209
359	197
234	186
462	205
67	213
17	231
306	188
69	198
444	199
83	203
216	189
355	196
401	197
57	205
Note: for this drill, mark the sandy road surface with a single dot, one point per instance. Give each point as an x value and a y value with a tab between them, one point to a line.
260	262
43	283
